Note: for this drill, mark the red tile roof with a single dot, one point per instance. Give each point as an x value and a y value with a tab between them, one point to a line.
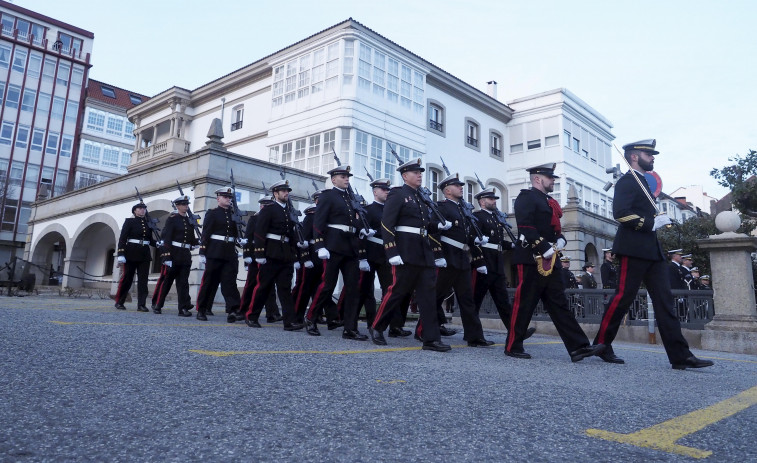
122	99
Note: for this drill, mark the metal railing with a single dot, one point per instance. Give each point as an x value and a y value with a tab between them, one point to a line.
435	125
236	126
496	152
472	141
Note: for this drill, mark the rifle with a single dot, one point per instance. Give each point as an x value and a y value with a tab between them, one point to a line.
467	208
370	177
499	215
194	218
424	193
152	224
294	214
236	214
356	200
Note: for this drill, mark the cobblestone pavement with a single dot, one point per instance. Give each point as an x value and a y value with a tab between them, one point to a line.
82	381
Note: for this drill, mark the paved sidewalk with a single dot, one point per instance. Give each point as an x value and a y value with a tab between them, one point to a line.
82	381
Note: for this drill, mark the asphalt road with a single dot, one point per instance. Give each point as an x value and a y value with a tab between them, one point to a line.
82	381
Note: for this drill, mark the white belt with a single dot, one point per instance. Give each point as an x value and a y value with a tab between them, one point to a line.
228	239
181	245
373	239
454	243
414	230
344	228
273	236
312	242
139	242
496	247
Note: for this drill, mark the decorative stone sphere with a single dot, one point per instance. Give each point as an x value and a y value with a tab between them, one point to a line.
727	221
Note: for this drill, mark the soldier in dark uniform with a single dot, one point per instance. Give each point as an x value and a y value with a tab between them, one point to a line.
608	272
134	255
275	251
178	239
704	282
540	232
568	279
676	269
335	232
460	249
694	281
587	279
405	227
219	254
309	274
641	259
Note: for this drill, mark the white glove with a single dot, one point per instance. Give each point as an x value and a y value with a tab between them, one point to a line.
297	266
159	243
195	247
242	241
396	260
121	259
441	262
308	264
549	253
302	244
446	225
323	253
261	261
367	232
240	254
661	221
364	265
482	240
482	270
168	263
202	259
560	245
247	260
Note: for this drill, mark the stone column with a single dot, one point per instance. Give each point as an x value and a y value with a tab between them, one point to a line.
70	268
734	326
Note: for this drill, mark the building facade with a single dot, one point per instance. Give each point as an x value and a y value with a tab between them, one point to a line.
43	70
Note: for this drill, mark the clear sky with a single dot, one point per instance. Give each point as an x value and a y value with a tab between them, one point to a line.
682	72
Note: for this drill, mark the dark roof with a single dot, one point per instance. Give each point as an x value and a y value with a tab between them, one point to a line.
123	97
47	19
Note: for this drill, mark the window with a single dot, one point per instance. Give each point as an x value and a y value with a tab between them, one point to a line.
135	99
278	86
2	91
125	159
286	153
23	28
303	86
71	45
361	150
237	115
6	133
38	32
38	137
52	143
495	142
43	105
66	146
13	97
35	63
58	104
19	60
299	153
516	148
27	103
77	75
72	111
62	77
115	125
22	136
17	172
129	130
435	177
111	155
314	154
107	91
471	134
5	56
470	191
553	140
91	153
576	145
377	157
435	116
566	138
32	174
8	24
96	120
48	71
534	144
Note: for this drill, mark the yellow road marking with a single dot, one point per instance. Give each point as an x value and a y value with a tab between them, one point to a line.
663	436
390	381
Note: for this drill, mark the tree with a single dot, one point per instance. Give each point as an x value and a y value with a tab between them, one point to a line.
740	179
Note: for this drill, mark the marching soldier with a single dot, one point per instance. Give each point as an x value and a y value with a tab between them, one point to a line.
219	254
642	259
608	272
538	216
587	279
275	253
178	239
405	227
460	251
311	270
568	279
134	256
335	232
494	281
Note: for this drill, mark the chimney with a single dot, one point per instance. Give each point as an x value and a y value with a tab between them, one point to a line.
491	89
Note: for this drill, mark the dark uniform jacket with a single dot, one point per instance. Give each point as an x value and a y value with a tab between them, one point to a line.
534	216
635	215
568	279
307	234
135	228
462	232
275	220
334	208
491	227
218	221
677	276
249	233
588	281
609	275
404	207
374	252
179	229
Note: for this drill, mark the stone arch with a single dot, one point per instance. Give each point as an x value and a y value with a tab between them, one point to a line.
158	209
92	251
48	253
591	255
502	192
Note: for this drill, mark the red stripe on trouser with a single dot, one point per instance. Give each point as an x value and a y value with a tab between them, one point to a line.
300	289
254	293
120	283
516	306
311	309
473	279
386	296
162	284
199	291
615	301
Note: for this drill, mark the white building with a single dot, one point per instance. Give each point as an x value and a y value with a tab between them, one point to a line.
696	196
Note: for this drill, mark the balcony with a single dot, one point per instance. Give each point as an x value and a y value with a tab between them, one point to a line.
438	126
236	126
472	141
496	152
165	150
